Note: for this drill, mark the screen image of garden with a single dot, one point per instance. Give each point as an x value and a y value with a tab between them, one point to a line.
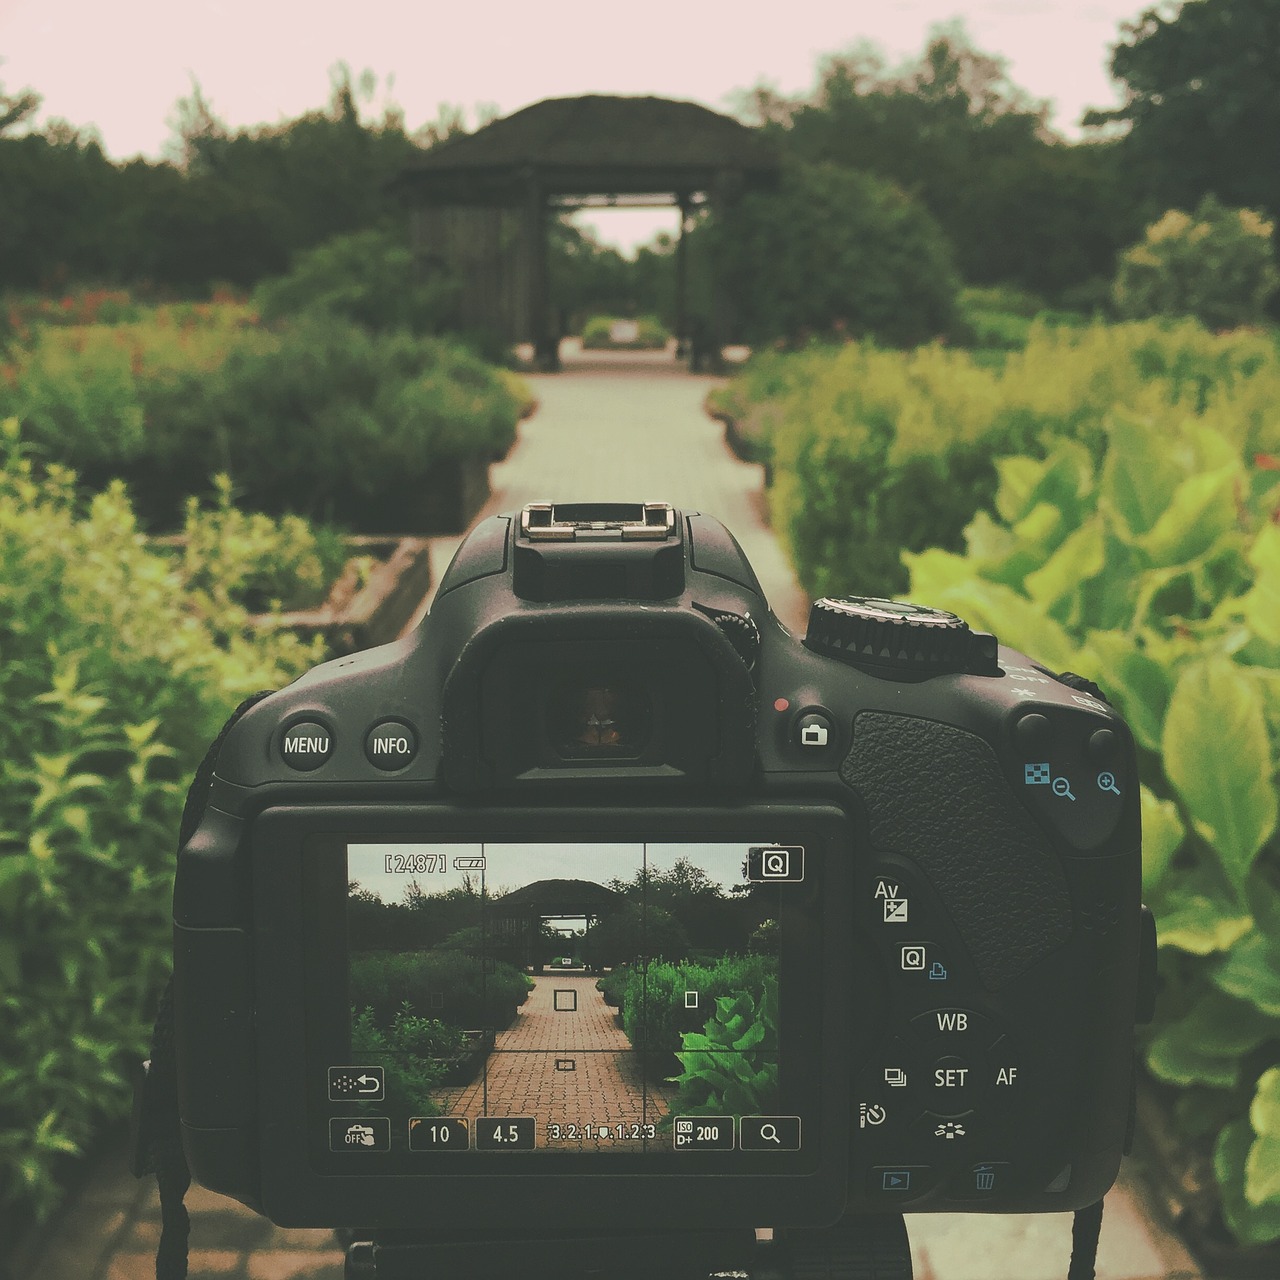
601	989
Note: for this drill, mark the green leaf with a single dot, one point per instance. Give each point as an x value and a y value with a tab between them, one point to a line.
1162	834
1205	1047
1264	1110
1251	972
1200	923
1139	685
988	606
1251	1223
1201	511
1176	1059
1262	1171
1217	755
1139	478
934	572
1019	478
1261	604
1075	561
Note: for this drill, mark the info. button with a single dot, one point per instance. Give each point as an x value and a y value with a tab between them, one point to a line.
769	1133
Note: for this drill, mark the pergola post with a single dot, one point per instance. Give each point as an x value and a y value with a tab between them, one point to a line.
682	280
726	189
546	345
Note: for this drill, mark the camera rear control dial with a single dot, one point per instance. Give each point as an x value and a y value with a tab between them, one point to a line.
895	640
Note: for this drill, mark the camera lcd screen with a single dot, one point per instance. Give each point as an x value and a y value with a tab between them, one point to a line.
620	998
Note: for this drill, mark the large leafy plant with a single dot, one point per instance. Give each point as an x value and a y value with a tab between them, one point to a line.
1157	572
111	688
731	1066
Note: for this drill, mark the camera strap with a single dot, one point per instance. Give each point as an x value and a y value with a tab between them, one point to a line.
157	1131
871	1247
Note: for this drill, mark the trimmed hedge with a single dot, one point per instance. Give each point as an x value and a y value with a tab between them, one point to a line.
323	418
112	685
388	982
878	452
597	334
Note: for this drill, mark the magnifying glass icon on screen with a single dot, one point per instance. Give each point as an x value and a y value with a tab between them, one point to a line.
1061	787
769	1133
1107	782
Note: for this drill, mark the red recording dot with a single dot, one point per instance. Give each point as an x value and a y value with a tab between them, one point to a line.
780	704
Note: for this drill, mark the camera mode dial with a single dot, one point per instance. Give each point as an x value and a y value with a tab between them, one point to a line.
898	640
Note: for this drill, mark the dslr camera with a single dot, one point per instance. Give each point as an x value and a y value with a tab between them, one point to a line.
600	902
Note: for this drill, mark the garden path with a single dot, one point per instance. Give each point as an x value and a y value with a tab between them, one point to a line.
566	1061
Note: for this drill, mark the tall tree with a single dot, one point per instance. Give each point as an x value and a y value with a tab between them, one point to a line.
1202	101
15	109
1018	202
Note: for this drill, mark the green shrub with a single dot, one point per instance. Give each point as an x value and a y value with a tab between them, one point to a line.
1157	572
234	557
367	278
635	929
731	1066
388	982
323	419
651	335
1217	264
613	985
111	688
876	452
412	1051
833	250
653	1011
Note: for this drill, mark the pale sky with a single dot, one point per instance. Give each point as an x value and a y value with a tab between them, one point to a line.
122	66
508	866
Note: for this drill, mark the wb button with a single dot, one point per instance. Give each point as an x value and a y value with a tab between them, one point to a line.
784	862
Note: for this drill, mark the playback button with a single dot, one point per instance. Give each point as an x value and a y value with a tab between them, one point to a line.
899	1181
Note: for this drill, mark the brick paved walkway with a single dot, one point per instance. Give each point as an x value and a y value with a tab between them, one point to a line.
566	1061
629	429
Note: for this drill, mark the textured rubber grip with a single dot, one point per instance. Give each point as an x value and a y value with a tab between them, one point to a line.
937	795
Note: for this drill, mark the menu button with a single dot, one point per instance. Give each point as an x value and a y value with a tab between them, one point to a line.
306	745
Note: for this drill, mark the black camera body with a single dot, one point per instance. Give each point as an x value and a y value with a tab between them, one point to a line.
601	900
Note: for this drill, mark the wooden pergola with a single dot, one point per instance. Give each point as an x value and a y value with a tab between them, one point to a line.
481	201
517	916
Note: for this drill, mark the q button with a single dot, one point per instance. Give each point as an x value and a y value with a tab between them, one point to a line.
390	744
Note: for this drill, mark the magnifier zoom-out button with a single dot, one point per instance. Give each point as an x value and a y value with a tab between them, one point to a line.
769	1133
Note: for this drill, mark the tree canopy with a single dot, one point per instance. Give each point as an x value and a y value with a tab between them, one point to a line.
1202	102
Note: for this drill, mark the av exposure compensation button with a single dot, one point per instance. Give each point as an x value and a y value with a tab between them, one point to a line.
306	745
390	744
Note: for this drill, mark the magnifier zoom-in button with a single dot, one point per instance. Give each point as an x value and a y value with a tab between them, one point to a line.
769	1133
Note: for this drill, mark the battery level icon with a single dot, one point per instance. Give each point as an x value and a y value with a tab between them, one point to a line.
469	864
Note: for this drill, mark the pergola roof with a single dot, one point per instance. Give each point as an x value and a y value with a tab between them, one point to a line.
556	898
591	145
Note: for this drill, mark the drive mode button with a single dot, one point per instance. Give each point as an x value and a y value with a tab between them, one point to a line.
306	745
390	744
